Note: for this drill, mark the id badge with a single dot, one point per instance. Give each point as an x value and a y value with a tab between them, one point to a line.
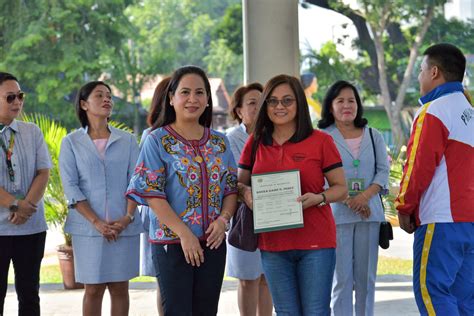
355	186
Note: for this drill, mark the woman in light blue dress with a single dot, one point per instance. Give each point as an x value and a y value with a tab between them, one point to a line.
96	164
364	157
146	262
253	293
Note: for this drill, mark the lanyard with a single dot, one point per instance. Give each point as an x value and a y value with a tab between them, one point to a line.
8	154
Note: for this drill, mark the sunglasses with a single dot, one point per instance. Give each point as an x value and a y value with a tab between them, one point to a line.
286	102
11	97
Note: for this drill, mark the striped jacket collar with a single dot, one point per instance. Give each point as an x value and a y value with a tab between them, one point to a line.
439	91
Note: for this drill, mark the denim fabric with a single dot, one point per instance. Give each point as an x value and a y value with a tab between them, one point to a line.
300	280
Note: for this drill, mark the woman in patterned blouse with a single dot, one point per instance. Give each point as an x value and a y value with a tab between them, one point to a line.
187	175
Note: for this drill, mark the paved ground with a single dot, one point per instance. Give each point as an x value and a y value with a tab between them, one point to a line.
393	294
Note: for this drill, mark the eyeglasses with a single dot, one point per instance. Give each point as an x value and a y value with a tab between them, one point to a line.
286	102
11	97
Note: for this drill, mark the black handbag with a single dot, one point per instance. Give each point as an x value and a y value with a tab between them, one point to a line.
385	235
241	234
386	231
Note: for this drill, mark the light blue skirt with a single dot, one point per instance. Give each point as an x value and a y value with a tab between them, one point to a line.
147	267
98	261
243	265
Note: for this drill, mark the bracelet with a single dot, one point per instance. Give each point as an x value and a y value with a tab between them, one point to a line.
225	220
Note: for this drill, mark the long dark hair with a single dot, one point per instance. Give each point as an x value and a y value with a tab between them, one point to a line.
168	114
264	126
83	95
157	101
327	118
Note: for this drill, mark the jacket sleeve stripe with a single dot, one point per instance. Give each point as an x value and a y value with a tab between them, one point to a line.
411	158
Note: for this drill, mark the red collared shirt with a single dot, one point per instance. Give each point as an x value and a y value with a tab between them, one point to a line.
313	157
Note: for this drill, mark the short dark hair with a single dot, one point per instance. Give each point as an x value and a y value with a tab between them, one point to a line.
238	98
263	126
5	76
327	118
449	59
157	101
83	95
307	79
168	114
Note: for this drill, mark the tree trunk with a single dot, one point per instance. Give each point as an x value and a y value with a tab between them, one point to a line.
413	55
392	113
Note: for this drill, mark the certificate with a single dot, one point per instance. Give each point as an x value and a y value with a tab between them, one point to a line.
274	201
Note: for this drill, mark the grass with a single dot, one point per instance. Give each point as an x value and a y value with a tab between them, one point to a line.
387	265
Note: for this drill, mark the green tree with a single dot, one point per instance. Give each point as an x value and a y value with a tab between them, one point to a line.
329	66
386	42
54	46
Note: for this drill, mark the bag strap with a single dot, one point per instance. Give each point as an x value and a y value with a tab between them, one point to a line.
373	147
375	164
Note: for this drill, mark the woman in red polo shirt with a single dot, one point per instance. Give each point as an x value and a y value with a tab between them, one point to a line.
298	263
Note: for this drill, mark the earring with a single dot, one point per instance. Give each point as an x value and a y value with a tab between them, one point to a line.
207	105
171	103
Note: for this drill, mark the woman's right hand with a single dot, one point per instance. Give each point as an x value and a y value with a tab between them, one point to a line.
193	252
105	230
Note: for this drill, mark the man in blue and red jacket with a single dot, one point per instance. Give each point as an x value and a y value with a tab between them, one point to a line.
436	199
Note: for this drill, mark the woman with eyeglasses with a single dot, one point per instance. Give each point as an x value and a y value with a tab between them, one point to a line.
299	262
254	296
24	172
96	163
187	175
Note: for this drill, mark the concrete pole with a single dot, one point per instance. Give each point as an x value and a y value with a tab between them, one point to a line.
271	42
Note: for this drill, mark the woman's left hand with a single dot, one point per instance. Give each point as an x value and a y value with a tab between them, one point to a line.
216	232
121	224
310	199
359	204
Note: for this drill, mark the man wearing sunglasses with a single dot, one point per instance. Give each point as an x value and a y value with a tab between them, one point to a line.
24	172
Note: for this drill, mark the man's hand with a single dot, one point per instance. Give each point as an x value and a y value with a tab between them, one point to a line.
406	223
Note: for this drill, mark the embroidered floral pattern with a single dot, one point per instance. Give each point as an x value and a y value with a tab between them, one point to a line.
180	180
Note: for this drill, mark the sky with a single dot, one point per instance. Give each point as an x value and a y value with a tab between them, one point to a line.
317	26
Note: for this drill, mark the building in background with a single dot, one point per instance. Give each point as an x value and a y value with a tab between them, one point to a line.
460	9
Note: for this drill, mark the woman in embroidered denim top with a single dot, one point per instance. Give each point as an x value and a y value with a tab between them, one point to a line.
96	164
187	175
364	157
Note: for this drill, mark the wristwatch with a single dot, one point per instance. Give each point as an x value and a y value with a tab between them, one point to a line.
323	202
132	218
14	206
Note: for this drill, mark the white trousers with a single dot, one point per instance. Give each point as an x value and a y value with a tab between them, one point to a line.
356	268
